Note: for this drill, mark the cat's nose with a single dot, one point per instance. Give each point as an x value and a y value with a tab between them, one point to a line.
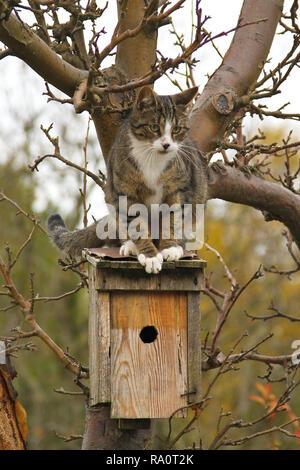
166	146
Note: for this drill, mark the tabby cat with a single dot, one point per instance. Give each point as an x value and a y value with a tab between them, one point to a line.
152	161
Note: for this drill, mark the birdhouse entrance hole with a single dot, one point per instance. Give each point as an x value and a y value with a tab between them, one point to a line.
148	334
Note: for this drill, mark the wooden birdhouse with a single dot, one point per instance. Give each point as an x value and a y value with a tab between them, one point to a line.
144	335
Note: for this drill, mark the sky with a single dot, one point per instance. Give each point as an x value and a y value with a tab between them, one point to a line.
21	95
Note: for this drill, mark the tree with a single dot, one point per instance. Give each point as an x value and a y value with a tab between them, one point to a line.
55	48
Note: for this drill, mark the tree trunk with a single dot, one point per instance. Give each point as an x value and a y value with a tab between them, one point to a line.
10	409
102	432
217	105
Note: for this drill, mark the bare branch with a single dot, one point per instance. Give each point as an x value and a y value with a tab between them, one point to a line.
27	306
33	219
99	180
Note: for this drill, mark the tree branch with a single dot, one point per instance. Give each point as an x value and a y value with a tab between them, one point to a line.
216	108
27	45
232	185
135	56
27	306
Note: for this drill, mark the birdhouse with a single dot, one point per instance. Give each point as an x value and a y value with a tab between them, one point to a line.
144	335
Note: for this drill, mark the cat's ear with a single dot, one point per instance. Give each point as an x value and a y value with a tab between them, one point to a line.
185	97
146	98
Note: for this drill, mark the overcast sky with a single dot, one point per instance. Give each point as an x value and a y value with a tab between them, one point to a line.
21	90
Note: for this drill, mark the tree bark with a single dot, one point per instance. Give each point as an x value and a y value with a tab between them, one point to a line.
278	202
102	433
135	55
216	107
134	58
26	45
222	98
10	433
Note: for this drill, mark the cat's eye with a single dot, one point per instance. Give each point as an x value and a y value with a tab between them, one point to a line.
154	127
176	129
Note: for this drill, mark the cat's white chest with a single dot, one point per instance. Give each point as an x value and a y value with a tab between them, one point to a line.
151	172
152	164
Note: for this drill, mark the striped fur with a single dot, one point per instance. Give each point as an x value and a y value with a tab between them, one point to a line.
151	161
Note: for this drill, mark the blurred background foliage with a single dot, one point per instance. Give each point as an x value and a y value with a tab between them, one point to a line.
66	321
239	233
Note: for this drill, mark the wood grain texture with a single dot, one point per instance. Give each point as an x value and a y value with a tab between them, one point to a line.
10	421
99	342
194	347
131	262
148	379
138	280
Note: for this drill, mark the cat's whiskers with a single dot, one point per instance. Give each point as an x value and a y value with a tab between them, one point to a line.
129	152
184	153
179	160
151	153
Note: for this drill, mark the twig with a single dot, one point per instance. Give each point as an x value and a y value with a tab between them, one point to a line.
28	239
62	296
83	191
62	391
27	306
99	180
201	39
277	314
33	219
72	437
148	19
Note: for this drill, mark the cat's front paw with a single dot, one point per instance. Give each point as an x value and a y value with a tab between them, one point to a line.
174	253
152	265
128	248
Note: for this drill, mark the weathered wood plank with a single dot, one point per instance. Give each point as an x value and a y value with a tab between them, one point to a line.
134	264
99	341
139	280
194	346
148	380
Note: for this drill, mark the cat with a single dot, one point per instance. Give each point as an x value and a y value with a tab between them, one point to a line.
152	161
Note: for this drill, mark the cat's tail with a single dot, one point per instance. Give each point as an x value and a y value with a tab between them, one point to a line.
72	243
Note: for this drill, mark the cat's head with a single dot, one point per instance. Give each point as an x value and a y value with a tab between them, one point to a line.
161	121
